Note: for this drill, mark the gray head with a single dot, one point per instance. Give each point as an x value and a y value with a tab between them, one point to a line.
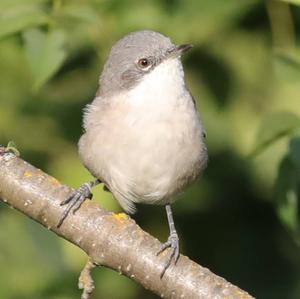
133	57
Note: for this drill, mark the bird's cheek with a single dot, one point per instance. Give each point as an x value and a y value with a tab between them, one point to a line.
130	78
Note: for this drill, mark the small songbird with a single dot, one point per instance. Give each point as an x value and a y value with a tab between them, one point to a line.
143	137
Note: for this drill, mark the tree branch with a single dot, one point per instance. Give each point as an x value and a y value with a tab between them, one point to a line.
111	240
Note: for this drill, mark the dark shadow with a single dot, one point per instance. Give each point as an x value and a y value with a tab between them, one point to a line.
81	59
238	238
169	6
255	18
215	73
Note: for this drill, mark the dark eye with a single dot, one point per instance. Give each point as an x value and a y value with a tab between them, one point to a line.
144	63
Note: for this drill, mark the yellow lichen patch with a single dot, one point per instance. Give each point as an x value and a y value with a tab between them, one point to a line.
28	174
54	181
120	217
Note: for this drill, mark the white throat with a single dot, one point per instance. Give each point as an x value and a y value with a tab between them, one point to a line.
162	86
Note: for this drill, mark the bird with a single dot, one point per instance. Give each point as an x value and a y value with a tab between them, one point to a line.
143	137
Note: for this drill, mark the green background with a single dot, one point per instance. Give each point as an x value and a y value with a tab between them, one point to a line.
241	218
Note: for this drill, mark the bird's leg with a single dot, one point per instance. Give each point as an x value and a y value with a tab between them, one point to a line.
173	242
76	198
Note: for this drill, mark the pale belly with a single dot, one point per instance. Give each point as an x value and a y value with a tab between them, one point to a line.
145	160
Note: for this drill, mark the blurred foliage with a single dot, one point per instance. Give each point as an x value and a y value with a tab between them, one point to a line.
241	219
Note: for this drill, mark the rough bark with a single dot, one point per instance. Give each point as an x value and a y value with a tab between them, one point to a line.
111	240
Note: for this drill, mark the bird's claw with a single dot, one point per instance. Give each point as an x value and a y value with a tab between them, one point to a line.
173	243
75	200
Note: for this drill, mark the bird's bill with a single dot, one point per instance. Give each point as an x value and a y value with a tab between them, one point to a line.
179	50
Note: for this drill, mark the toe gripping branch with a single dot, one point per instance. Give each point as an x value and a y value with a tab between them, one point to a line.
173	242
76	198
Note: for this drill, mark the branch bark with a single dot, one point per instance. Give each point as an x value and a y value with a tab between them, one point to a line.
111	240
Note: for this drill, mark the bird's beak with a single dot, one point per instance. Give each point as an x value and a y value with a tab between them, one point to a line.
179	50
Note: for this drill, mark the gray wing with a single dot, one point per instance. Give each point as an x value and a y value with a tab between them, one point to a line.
195	105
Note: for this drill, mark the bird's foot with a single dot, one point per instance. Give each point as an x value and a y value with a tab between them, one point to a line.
75	200
173	243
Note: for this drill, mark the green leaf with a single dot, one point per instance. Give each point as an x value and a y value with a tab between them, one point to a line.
273	127
81	12
289	59
17	18
16	4
295	151
286	196
287	65
296	2
45	53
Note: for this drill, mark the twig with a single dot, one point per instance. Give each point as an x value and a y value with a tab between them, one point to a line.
86	282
